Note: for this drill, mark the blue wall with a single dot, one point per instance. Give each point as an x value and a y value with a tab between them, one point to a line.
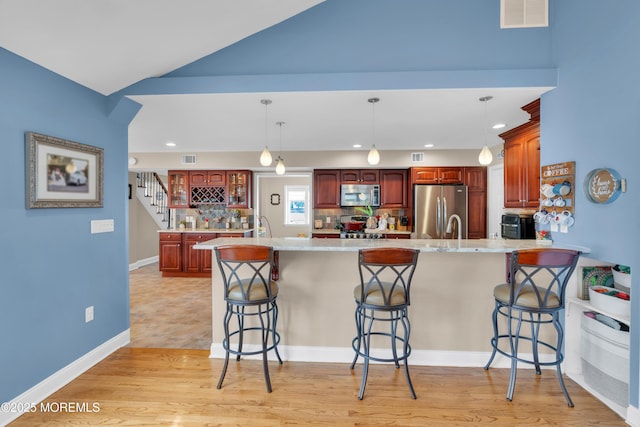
52	267
589	52
593	117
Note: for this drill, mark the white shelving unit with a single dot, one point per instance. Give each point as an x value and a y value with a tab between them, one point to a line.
572	366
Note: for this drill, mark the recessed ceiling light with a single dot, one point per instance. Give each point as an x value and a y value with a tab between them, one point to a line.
170	144
357	145
428	145
499	125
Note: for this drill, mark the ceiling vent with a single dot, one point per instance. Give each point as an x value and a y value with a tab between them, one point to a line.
417	157
524	13
189	159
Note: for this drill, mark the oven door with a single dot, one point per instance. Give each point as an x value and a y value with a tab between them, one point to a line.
510	231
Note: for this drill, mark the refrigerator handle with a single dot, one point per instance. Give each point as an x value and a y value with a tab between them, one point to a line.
438	216
445	216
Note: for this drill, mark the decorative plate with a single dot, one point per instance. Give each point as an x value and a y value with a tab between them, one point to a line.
602	185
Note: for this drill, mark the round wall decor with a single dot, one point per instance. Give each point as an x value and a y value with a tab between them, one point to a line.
602	185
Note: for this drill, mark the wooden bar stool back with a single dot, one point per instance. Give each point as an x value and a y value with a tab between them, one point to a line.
533	296
250	297
382	299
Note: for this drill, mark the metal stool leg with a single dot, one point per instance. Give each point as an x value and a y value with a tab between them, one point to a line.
358	337
225	344
514	341
535	330
560	357
366	341
494	340
273	331
406	349
394	331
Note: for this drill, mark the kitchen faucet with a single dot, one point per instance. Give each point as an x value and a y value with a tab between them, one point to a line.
459	225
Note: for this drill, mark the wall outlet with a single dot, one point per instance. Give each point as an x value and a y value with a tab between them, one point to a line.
88	314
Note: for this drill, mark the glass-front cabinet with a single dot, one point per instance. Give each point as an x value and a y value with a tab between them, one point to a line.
178	189
239	189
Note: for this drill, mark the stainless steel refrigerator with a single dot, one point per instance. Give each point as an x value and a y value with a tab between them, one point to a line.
433	206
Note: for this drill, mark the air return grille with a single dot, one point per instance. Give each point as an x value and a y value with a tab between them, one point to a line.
417	157
189	159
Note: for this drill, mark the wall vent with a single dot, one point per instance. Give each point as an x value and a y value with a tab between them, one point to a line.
189	159
524	13
417	157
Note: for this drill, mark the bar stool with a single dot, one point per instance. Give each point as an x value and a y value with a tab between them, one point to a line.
250	297
534	294
383	296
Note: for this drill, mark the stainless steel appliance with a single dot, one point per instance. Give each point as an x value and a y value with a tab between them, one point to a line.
515	226
353	227
434	206
359	195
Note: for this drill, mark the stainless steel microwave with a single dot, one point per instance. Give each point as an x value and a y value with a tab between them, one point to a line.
359	195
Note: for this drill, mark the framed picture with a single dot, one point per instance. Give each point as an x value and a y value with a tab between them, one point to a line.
61	173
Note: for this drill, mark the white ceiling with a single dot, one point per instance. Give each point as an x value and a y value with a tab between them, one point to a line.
107	45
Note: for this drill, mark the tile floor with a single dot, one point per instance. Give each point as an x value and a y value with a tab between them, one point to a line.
169	312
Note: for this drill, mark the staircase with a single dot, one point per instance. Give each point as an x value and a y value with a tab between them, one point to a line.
153	195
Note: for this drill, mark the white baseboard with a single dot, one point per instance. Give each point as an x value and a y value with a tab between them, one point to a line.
143	262
53	383
633	416
345	355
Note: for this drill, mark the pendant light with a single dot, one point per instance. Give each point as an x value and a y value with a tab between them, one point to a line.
374	156
485	157
265	157
280	165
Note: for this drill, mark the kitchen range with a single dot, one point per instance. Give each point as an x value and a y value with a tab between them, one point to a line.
354	227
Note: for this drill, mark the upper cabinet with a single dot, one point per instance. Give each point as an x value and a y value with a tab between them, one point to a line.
178	188
360	176
207	187
207	178
210	187
437	175
522	161
326	188
239	189
393	188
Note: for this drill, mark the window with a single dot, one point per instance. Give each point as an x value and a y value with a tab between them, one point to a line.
296	205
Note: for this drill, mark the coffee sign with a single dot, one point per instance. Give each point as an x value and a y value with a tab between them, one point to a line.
602	185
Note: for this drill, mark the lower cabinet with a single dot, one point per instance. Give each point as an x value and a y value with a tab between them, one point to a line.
170	253
397	236
178	258
196	260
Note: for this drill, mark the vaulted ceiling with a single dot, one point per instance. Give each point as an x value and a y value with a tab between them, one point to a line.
107	45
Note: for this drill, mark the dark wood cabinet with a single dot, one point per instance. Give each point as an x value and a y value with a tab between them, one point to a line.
359	176
239	189
397	236
178	258
476	180
178	189
326	188
437	175
522	162
196	260
207	178
325	235
170	252
393	188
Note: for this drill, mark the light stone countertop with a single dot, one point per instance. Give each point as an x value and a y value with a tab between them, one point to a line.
351	245
335	231
205	230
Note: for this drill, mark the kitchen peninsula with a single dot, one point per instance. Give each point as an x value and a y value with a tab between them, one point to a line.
451	296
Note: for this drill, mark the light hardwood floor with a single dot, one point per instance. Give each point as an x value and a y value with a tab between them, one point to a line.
176	387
